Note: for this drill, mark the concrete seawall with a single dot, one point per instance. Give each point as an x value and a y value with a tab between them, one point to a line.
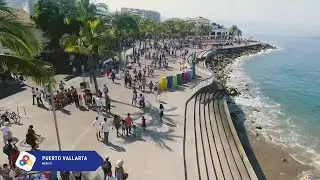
223	147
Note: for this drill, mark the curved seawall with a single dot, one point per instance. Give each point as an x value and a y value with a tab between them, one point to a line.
211	146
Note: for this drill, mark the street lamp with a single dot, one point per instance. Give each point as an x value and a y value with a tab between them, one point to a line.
54	115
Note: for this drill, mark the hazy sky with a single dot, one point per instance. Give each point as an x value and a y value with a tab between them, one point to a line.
289	15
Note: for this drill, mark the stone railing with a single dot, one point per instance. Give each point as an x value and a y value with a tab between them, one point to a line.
202	69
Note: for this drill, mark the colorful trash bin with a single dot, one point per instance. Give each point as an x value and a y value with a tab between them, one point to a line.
169	82
175	81
182	78
163	83
190	75
186	77
179	78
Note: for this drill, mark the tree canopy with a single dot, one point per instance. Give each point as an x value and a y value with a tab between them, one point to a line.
24	44
49	17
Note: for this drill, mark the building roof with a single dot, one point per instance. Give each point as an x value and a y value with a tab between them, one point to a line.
22	15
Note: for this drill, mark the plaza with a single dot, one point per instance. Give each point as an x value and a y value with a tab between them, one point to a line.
145	156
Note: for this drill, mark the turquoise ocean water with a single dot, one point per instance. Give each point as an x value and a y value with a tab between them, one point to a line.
283	94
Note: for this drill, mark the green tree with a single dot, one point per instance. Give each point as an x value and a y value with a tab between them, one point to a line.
24	44
235	31
49	17
204	30
125	28
94	37
147	28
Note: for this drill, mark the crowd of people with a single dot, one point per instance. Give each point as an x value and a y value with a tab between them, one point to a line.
137	78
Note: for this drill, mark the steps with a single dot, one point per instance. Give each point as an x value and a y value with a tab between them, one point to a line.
211	151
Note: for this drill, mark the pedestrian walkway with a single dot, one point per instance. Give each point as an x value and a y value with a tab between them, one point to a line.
139	153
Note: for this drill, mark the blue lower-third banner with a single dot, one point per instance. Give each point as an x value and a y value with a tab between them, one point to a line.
59	161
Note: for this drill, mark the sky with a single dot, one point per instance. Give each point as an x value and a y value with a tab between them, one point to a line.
273	16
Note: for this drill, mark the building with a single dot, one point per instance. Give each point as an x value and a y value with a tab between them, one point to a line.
148	14
26	5
198	21
218	31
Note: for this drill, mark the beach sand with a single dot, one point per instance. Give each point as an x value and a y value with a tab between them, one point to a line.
276	163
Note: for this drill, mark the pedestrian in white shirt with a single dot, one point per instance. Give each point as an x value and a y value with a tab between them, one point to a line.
99	104
38	95
105	129
97	124
6	132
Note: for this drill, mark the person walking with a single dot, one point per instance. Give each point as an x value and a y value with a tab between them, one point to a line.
141	101
31	140
155	92
106	167
143	123
97	125
33	95
61	86
7	148
105	90
38	96
108	103
151	86
129	123
113	75
161	109
117	123
6	132
119	172
105	129
134	97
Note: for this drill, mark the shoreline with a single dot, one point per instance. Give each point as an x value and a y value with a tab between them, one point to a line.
268	159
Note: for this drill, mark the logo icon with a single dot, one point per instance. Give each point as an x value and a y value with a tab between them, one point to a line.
25	161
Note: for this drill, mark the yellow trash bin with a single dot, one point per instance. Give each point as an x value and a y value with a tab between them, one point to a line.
163	83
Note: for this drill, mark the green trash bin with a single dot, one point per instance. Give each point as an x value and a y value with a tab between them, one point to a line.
175	81
179	79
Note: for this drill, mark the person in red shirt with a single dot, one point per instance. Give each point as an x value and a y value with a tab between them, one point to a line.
143	124
129	123
14	154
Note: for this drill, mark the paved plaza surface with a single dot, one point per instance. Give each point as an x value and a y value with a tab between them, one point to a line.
154	154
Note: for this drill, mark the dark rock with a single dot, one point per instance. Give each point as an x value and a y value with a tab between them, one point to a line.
285	160
258	127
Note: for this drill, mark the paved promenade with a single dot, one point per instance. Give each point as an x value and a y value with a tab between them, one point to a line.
154	154
205	133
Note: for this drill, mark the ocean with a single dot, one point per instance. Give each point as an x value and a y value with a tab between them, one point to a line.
283	94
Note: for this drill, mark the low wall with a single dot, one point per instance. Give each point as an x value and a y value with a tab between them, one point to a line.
237	49
212	85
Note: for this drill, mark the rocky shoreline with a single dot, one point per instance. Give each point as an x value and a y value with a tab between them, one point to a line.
220	61
268	160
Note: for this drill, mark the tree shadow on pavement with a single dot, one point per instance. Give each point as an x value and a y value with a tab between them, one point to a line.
64	111
153	114
115	147
160	138
131	139
115	101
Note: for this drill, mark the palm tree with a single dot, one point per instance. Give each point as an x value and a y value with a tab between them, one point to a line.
147	29
24	45
235	31
125	27
94	37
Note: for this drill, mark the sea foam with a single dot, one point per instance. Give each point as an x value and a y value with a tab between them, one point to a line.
277	126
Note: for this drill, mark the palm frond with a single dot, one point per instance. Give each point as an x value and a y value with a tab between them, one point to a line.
39	71
32	45
73	44
4	7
